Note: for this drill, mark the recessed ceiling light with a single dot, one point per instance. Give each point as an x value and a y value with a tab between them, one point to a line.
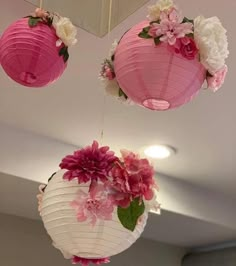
159	151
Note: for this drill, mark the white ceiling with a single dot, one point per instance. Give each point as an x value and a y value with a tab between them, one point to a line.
71	111
93	16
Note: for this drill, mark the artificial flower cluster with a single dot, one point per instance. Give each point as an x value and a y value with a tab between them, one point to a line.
203	38
65	30
124	183
108	76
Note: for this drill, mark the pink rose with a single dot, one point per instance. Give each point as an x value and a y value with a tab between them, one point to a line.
109	73
214	82
187	48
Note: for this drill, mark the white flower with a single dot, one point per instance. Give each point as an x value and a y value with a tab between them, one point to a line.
112	88
153	205
211	39
155	10
65	30
107	76
113	48
40	197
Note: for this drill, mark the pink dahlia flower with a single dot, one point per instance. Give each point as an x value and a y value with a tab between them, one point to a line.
93	205
86	262
89	164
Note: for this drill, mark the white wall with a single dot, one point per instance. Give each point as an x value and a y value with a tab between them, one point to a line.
24	242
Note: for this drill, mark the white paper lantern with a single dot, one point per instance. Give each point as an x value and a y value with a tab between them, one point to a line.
73	238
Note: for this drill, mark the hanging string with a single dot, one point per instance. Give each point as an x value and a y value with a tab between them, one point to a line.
40	4
110	18
103	117
104	97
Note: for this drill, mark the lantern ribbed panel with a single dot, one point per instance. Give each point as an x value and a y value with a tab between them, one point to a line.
29	55
155	76
105	239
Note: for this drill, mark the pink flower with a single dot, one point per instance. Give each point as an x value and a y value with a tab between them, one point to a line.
119	187
171	15
109	73
170	31
93	205
133	178
170	27
86	262
89	164
40	13
216	80
186	47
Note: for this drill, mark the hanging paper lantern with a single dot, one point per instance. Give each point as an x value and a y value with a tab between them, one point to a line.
34	50
162	63
97	206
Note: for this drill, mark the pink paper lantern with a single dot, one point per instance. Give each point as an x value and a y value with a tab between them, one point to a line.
29	55
154	76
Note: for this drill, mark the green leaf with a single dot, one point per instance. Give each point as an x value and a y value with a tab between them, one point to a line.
144	33
66	56
49	21
146	29
62	50
188	20
122	94
157	40
190	35
208	74
33	21
156	21
129	216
